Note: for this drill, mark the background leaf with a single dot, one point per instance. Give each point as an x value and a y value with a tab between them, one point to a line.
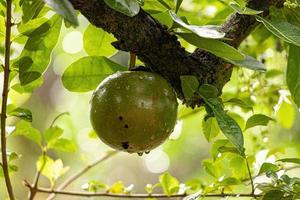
86	73
169	184
282	29
65	9
258	120
97	42
25	129
293	73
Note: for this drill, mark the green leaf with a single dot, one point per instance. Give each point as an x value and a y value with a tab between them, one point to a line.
286	115
28	77
216	47
210	128
127	7
215	149
211	32
65	9
22	113
178	4
189	85
29	27
227	125
164	4
164	18
62	144
238	166
86	73
229	181
290	160
240	103
212	168
293	73
50	168
249	63
258	120
209	91
52	134
273	195
243	11
97	42
29	87
37	52
31	9
266	167
95	186
169	184
25	129
282	29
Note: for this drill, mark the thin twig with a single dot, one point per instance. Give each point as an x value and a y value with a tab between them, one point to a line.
57	117
99	194
4	100
71	179
32	193
250	177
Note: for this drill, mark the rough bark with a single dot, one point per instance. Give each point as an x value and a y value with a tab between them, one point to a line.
160	49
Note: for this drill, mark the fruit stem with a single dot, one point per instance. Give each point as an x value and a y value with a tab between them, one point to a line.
132	60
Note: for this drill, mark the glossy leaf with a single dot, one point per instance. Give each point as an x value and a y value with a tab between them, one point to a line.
22	113
211	32
86	73
127	7
293	73
258	120
227	125
97	42
65	9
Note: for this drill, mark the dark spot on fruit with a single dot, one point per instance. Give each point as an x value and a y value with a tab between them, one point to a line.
126	126
120	118
125	145
142	104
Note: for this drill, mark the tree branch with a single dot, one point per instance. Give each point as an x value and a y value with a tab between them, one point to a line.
74	177
5	90
98	194
160	49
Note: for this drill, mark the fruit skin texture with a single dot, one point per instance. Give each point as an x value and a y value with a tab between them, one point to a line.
133	111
